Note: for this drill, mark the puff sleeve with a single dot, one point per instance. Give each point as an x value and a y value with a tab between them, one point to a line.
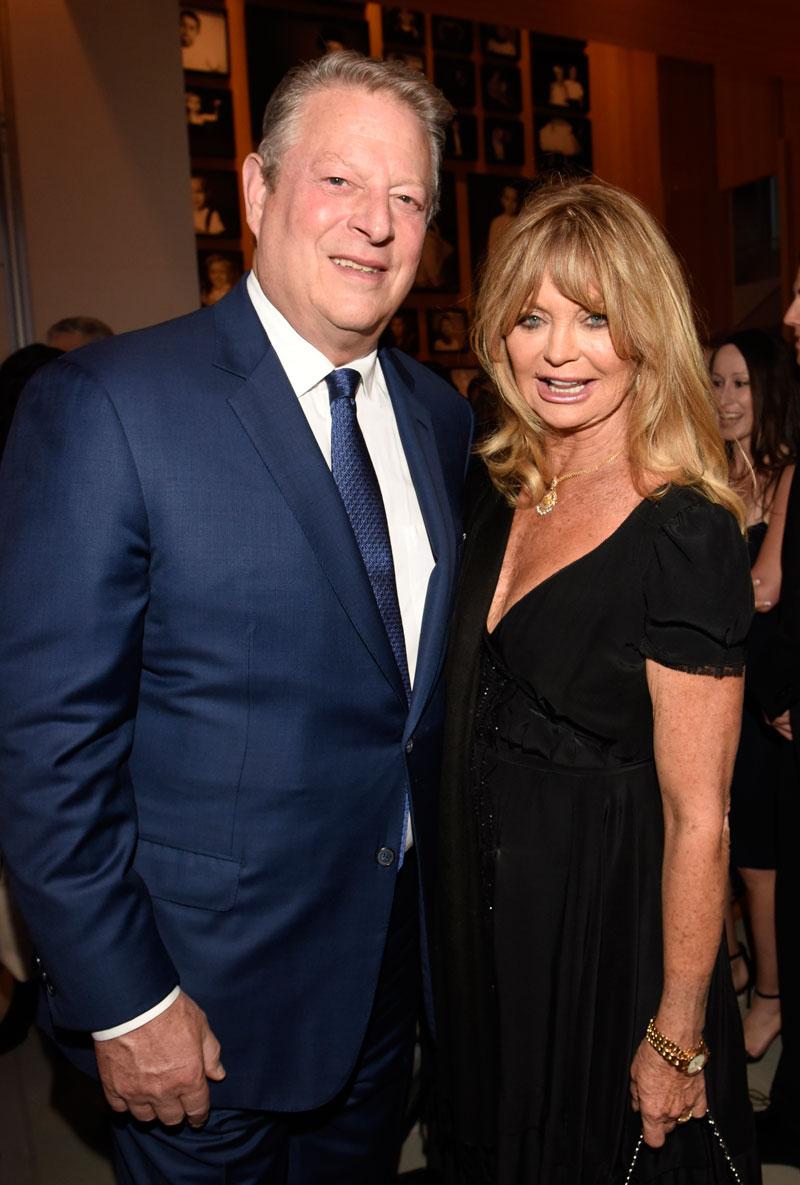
698	593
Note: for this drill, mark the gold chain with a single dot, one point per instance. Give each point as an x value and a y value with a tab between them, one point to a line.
550	496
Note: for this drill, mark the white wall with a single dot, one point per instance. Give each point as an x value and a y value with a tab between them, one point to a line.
104	162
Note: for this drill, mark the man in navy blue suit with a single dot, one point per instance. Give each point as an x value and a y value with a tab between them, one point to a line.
228	546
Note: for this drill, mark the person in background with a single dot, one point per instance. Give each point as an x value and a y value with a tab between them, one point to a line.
228	547
70	333
776	681
586	1014
758	406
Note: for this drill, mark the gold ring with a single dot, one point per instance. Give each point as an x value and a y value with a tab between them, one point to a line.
685	1118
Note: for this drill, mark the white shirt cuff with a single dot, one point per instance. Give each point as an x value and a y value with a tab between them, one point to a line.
129	1025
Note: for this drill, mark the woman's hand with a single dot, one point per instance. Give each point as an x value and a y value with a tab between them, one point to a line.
766	587
662	1095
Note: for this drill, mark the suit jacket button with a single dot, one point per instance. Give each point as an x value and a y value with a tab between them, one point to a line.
385	857
409	745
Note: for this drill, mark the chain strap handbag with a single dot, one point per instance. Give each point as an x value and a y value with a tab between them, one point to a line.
722	1145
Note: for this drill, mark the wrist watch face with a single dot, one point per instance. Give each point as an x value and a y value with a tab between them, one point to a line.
697	1063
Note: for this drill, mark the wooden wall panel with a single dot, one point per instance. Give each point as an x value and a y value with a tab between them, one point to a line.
625	127
697	213
790	181
748	127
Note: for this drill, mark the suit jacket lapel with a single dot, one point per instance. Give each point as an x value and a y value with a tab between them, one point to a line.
420	446
270	413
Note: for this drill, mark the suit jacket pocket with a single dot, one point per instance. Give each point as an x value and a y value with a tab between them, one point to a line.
187	878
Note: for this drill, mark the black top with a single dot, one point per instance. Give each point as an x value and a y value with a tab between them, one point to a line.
670	584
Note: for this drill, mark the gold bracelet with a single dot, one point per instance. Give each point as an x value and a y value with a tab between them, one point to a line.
686	1061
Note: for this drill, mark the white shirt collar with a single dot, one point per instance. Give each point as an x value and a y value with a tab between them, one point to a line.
305	366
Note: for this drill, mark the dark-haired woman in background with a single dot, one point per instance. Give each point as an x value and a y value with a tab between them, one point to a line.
595	685
758	404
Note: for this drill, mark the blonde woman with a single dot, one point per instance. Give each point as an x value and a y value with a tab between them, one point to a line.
595	687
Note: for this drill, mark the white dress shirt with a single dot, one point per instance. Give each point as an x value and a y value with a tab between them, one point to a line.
306	369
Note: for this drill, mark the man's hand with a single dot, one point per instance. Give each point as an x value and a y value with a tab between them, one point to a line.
159	1071
783	725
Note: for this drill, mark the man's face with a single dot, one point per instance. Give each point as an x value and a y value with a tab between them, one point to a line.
340	237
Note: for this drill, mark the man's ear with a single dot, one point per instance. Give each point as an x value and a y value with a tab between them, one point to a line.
255	191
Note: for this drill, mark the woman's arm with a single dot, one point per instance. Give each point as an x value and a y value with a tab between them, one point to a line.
767	568
696	721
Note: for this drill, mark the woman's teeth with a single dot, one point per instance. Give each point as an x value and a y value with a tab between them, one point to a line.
567	386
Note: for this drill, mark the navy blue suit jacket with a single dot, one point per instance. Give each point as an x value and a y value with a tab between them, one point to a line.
204	736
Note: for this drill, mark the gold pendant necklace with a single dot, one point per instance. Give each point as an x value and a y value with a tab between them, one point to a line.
550	497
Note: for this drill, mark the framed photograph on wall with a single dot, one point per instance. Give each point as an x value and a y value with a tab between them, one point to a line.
559	73
500	41
438	266
215	203
402	332
453	35
219	272
413	58
448	331
504	141
204	40
461	137
562	142
494	202
455	77
403	26
277	40
501	88
209	121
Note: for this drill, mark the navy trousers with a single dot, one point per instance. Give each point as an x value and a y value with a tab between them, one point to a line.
353	1140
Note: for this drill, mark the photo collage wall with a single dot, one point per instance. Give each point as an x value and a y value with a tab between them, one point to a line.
214	182
522	110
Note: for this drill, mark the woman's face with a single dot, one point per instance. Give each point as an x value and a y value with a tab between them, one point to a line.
792	314
565	365
731	381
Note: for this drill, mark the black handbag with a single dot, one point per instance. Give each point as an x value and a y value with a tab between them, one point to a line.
715	1139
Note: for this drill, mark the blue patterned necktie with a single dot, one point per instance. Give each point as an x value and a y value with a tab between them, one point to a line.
355	476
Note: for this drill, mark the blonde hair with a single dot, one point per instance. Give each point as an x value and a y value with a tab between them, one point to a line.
604	251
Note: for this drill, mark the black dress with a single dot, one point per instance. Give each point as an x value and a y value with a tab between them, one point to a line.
552	952
757	772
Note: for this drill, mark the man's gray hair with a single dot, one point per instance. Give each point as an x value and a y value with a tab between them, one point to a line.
346	68
92	328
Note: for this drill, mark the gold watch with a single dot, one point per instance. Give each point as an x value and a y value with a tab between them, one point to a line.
687	1061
